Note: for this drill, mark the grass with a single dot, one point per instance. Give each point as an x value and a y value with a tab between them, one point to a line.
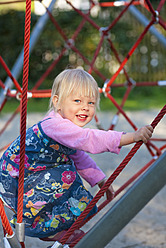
41	105
34	105
134	105
20	6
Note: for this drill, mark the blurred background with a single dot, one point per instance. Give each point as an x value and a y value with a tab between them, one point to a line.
146	67
147	63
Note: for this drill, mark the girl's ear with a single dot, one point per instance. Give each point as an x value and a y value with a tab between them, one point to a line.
55	100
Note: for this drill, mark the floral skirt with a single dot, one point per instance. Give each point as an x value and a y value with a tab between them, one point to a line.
51	206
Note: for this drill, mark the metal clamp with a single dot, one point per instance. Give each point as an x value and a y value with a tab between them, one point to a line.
6	243
115	120
104	31
5	91
58	245
20	231
161	83
18	95
132	81
105	87
69	43
156	17
13	241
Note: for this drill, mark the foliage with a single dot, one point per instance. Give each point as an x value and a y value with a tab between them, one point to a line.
147	63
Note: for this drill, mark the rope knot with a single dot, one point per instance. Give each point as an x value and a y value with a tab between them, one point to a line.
131	82
69	43
104	31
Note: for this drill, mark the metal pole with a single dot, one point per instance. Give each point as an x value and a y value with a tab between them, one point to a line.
144	21
16	70
127	206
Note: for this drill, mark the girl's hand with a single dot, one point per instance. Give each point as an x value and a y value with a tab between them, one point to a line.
144	134
110	191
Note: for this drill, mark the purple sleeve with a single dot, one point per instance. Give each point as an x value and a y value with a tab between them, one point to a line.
89	140
87	168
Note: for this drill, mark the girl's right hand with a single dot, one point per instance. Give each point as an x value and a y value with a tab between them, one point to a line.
144	134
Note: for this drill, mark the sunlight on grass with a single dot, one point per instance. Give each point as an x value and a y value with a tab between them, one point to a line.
15	6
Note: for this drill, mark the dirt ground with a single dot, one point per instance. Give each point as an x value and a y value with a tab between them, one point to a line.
148	228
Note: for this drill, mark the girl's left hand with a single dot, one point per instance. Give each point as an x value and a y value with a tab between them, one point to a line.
110	191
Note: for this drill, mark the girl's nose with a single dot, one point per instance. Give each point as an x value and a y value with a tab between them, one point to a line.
85	106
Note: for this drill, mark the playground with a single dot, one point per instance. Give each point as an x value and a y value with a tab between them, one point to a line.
136	215
147	229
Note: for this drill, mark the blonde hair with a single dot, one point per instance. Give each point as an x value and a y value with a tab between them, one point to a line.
74	80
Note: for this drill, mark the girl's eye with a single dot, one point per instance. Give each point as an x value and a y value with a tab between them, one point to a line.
77	100
91	103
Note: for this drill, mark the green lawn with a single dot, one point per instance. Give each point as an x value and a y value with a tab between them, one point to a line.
41	105
20	6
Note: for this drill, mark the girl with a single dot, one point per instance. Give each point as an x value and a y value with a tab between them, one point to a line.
55	155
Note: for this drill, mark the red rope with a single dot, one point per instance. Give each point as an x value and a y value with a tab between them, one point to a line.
150	7
88	63
56	25
3	104
122	104
129	54
52	66
9	120
41	94
157	139
126	184
121	110
74	37
10	74
24	111
84	16
162	23
119	169
132	179
79	28
2	84
96	53
117	57
161	4
137	84
120	15
49	69
4	219
118	3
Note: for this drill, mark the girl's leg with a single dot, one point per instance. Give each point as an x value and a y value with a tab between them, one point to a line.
57	237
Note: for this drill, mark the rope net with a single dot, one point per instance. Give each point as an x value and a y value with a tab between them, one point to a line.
117	73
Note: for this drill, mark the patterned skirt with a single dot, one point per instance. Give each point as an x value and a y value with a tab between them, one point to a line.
53	200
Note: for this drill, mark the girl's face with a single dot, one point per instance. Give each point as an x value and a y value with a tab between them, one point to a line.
78	109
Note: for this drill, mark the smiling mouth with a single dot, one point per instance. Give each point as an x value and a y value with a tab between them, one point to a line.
82	117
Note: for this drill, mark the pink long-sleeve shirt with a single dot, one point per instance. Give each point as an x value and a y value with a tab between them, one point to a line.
84	140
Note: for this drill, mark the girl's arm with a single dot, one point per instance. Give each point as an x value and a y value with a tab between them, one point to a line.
87	168
91	140
144	134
